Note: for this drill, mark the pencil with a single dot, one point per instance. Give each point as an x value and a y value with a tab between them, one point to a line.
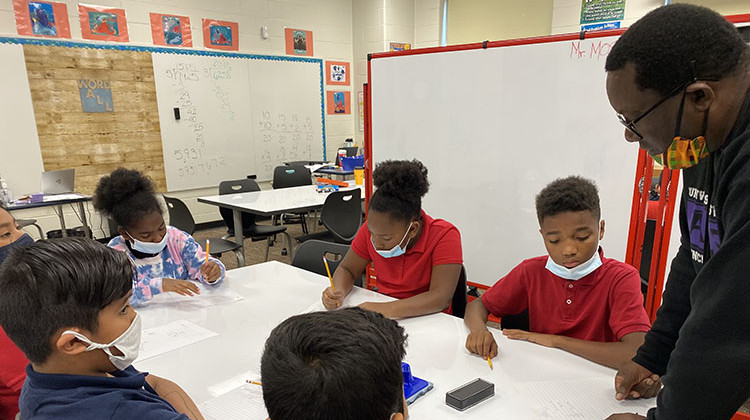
328	270
208	248
254	382
489	362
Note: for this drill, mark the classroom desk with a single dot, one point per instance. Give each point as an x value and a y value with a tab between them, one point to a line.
274	291
59	201
269	203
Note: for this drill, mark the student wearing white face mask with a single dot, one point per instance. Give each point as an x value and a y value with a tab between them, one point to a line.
417	259
65	305
166	258
577	300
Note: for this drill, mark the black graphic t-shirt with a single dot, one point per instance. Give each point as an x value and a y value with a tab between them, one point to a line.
700	341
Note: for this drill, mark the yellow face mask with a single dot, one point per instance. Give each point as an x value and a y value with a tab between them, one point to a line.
683	153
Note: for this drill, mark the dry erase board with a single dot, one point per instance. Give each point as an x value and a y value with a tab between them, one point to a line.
238	115
494	126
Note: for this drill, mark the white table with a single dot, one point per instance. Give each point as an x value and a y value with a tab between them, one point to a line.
274	291
269	203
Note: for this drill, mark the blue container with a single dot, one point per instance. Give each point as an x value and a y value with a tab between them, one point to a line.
349	163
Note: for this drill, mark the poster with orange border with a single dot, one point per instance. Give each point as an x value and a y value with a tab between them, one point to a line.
171	30
298	42
42	18
337	73
339	102
100	23
221	35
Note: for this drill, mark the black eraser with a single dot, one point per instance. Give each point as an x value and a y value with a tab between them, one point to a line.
176	113
469	394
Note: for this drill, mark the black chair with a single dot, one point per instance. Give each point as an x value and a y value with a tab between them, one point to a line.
180	217
286	176
310	254
458	303
22	223
250	229
341	215
515	322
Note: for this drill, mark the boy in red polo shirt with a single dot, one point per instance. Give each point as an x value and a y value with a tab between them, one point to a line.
577	300
417	258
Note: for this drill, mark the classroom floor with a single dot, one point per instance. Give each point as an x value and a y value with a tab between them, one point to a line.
255	253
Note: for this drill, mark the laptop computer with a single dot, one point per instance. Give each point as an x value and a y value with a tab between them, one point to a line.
58	182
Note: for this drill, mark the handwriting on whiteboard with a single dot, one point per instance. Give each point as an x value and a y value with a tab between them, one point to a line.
198	160
590	49
284	138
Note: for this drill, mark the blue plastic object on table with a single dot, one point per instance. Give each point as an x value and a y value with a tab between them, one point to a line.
413	387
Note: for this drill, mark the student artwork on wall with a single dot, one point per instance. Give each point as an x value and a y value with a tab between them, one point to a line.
42	18
299	42
103	23
400	46
339	102
221	35
171	30
337	73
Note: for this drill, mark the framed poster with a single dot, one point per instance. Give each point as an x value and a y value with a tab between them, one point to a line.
42	18
337	73
298	42
103	23
221	35
171	30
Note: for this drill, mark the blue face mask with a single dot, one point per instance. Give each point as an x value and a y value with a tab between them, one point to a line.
396	250
22	241
148	247
577	272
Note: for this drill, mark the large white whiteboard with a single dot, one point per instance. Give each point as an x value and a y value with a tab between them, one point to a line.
22	167
239	115
494	126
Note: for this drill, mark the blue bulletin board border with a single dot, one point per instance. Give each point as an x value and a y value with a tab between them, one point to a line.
182	51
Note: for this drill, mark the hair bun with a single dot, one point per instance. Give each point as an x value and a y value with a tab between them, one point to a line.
119	186
406	179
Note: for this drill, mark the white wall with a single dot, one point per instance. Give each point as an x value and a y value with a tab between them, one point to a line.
330	21
566	15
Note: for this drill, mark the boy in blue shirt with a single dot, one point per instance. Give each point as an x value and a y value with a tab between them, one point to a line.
65	305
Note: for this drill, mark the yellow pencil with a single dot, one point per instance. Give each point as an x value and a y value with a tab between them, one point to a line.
208	248
489	361
328	270
254	382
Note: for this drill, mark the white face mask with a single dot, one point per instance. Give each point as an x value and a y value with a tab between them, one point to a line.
148	247
577	272
128	343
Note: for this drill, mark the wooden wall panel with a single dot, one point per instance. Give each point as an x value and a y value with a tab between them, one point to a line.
95	143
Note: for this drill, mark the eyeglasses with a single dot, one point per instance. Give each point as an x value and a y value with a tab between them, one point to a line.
630	125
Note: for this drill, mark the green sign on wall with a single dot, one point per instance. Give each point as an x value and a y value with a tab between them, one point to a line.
602	10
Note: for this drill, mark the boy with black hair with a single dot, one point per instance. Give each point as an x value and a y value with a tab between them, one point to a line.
679	80
65	305
576	299
343	364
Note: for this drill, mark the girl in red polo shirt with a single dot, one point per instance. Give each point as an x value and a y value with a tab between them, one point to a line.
417	259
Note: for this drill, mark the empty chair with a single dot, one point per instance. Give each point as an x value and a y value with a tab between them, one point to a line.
180	217
341	215
286	176
310	254
250	229
22	223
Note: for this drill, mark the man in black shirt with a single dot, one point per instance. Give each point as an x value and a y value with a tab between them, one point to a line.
679	79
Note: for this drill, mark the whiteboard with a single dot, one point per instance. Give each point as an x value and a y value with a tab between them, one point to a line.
22	168
239	115
494	126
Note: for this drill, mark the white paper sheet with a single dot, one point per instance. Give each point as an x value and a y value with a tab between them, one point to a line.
175	335
209	296
592	398
354	298
243	403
